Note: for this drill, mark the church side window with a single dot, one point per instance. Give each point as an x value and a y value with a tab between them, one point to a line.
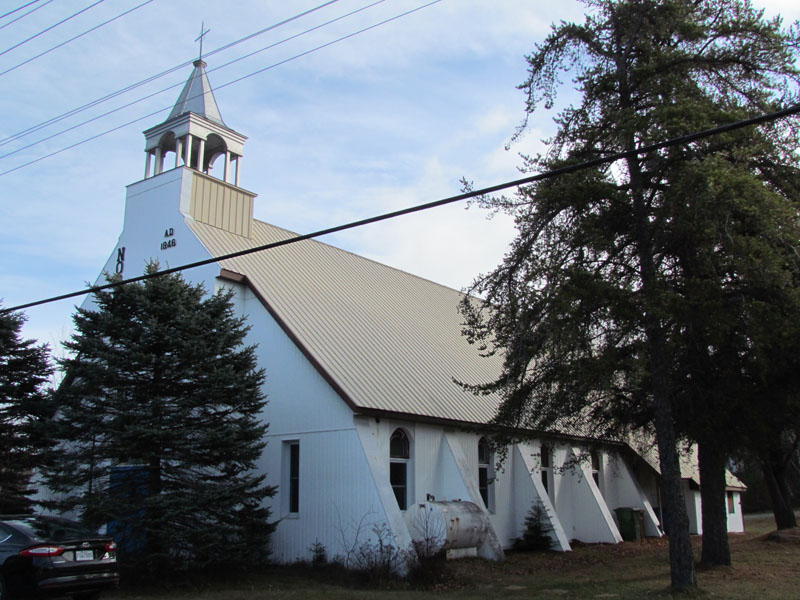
545	466
595	467
291	477
399	455
485	475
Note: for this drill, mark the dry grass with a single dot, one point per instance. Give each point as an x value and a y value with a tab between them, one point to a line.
762	569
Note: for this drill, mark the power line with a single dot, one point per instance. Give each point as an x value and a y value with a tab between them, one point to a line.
259	71
33	37
72	39
19	8
147	80
682	140
180	83
33	10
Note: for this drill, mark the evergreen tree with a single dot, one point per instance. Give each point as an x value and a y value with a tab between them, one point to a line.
595	303
160	426
24	371
536	530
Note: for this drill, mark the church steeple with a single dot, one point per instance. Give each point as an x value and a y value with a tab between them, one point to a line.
197	97
195	132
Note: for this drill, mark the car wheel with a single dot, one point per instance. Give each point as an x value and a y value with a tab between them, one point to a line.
3	593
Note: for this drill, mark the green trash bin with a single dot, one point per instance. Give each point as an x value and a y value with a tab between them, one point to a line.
630	523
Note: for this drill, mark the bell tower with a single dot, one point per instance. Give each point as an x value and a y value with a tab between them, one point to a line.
192	172
195	134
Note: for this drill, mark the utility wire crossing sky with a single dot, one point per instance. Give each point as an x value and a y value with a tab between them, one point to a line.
349	111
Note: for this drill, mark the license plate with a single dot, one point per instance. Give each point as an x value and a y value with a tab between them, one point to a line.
84	555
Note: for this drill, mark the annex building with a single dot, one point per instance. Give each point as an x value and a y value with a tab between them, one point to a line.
365	420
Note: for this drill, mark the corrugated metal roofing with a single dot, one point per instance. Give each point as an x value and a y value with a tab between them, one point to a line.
646	447
389	340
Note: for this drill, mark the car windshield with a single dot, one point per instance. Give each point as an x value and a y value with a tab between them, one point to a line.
51	529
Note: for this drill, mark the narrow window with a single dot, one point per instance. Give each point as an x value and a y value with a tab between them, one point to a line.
485	478
731	504
545	462
290	481
596	467
294	477
399	454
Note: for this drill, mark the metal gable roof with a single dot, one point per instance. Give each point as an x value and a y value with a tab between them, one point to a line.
389	341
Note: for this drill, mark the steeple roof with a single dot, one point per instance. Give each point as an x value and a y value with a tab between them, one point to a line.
197	97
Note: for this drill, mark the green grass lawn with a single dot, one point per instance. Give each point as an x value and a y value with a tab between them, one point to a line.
762	569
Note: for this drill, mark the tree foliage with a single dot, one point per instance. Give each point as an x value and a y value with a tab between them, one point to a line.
24	372
160	426
627	285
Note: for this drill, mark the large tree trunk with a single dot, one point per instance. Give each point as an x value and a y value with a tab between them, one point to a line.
683	576
774	469
681	557
716	550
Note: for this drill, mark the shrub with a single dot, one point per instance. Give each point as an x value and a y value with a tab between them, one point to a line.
536	535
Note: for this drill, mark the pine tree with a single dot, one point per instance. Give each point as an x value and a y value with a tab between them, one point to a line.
160	426
536	530
24	372
624	277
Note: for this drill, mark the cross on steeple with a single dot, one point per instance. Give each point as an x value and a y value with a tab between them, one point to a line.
203	32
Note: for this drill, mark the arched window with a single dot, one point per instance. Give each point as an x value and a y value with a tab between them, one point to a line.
215	148
399	455
485	475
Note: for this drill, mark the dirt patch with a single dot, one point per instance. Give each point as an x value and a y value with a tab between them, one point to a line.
785	535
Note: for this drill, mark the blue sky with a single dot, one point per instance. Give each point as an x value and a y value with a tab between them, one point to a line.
385	119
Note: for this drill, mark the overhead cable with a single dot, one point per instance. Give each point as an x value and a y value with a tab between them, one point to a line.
72	39
180	83
678	141
19	8
22	16
259	71
147	80
33	37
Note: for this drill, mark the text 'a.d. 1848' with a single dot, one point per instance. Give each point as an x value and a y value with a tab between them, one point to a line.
170	243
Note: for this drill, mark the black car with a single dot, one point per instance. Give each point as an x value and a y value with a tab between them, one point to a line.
51	556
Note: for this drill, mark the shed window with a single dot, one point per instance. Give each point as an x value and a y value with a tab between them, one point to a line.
399	455
731	503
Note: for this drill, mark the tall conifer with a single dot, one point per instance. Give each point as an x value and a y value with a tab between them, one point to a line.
160	426
24	404
624	278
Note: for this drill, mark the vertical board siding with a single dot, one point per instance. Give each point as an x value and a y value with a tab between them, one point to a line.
221	205
339	504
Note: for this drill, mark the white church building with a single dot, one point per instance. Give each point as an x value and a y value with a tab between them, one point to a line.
365	421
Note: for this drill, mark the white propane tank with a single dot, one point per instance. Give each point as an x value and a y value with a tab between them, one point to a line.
447	525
